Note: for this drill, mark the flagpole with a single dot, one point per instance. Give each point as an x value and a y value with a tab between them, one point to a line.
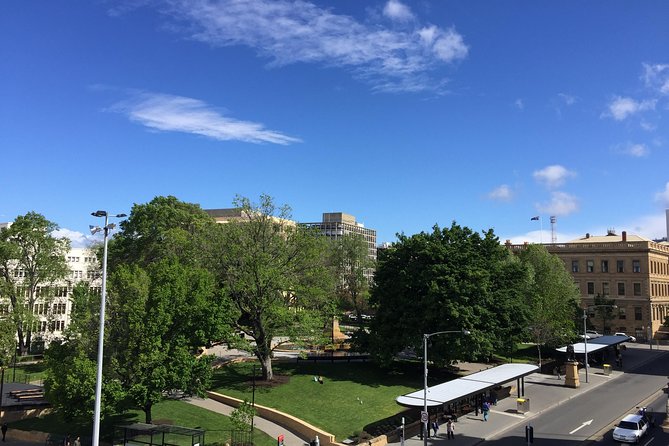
541	230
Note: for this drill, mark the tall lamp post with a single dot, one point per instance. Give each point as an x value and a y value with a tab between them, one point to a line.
427	336
585	334
98	384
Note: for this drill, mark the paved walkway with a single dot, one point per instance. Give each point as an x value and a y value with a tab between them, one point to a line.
543	391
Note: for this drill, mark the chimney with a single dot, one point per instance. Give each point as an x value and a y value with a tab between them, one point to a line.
587	235
624	236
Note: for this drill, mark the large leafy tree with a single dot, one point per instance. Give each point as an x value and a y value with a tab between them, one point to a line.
31	259
274	273
449	279
552	298
349	257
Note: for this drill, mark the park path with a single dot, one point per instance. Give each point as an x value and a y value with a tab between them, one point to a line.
270	428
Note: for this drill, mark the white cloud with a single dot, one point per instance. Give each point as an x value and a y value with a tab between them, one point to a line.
636	150
647	126
77	239
289	32
395	10
520	105
663	197
561	204
656	77
620	108
568	99
181	114
553	176
501	193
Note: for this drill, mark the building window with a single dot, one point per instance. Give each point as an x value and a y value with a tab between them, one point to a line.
637	314
605	289
590	266
637	288
636	266
591	288
605	266
622	314
621	288
574	266
620	266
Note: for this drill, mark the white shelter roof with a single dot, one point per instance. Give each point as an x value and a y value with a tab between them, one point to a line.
466	386
596	344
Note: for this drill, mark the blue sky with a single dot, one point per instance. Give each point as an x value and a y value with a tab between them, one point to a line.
404	114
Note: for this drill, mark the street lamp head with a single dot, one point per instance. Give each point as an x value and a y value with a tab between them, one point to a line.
121	215
466	332
99	214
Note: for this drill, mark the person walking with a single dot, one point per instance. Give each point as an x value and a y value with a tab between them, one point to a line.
450	429
435	427
486	410
4	431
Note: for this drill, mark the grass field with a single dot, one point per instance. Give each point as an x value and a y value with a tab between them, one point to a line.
179	413
354	397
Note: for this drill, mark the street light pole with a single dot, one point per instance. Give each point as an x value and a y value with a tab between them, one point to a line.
427	336
98	384
585	334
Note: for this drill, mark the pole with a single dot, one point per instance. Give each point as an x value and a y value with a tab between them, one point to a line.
2	389
425	425
101	338
585	341
16	347
253	399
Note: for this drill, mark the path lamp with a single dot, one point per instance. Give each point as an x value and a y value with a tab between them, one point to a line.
585	335
98	384
427	336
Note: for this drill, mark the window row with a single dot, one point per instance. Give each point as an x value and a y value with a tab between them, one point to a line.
605	290
604	266
42	326
659	267
660	289
43	309
618	313
72	259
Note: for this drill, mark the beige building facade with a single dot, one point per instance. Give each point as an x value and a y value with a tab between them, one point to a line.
631	270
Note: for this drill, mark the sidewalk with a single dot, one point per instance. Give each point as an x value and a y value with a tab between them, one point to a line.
544	392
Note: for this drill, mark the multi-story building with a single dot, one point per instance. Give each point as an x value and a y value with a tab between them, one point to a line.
339	224
631	270
53	305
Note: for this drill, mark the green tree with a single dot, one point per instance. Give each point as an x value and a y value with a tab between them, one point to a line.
31	261
242	416
158	318
449	279
275	276
349	257
604	310
553	298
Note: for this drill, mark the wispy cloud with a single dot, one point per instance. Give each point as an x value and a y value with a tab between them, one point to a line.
663	196
187	115
501	193
635	150
567	99
289	32
622	107
396	10
77	239
656	77
519	104
561	204
553	176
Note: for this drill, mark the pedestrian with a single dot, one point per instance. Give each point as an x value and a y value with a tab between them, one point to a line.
317	441
557	372
493	396
486	410
77	441
66	440
450	429
435	427
4	430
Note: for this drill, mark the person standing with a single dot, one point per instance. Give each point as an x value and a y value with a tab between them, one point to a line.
486	410
4	431
450	429
435	427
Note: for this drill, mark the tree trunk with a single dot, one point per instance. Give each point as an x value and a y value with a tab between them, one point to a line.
266	364
147	413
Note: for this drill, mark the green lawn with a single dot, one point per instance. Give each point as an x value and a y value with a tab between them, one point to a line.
179	413
355	397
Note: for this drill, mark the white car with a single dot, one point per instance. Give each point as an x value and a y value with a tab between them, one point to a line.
630	429
632	338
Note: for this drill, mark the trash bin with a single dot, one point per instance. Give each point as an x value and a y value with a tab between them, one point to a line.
607	369
523	405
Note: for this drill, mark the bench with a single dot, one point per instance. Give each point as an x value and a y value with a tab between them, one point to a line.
16	393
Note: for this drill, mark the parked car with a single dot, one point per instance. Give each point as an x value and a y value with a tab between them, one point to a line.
590	334
632	338
631	429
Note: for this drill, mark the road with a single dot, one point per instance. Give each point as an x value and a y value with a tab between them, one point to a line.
593	414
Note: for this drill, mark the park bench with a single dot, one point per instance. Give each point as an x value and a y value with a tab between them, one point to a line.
16	393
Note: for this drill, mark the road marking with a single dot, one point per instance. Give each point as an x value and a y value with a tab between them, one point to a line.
649	441
585	423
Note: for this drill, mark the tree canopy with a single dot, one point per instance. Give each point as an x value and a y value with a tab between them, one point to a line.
274	274
449	279
32	259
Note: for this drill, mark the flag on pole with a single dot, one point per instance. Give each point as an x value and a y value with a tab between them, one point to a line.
535	218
